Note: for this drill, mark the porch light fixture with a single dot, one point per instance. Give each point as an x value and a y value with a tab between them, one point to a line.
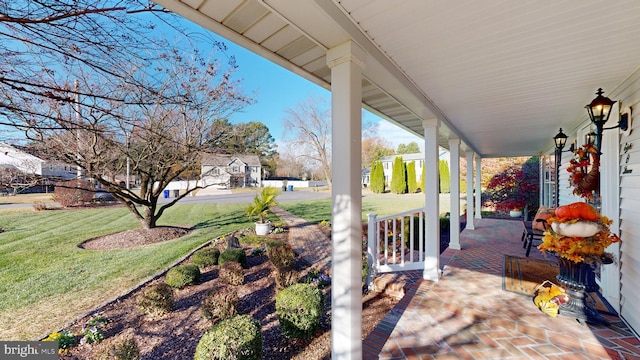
599	110
561	140
590	138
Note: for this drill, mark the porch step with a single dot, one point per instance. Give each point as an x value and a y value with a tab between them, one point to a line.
390	285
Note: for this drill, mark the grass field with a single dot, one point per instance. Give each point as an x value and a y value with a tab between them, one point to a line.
46	280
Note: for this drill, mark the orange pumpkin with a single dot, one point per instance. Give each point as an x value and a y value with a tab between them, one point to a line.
577	210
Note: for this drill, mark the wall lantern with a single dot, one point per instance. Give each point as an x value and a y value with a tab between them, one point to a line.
599	110
560	140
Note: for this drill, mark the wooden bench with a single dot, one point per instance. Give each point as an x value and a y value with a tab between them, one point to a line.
529	234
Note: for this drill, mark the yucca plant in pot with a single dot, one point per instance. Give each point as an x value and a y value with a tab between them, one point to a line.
260	208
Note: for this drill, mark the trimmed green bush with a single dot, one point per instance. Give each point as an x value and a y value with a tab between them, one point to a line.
183	275
205	257
399	176
299	308
221	304
412	184
155	300
376	178
445	177
236	255
238	337
231	273
280	254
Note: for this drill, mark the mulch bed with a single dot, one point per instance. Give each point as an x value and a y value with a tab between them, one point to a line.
176	334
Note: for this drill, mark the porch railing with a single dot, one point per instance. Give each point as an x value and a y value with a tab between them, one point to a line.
396	242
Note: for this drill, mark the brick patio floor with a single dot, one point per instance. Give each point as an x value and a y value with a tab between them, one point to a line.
467	315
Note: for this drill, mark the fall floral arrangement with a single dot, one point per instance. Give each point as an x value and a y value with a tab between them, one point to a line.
584	180
579	233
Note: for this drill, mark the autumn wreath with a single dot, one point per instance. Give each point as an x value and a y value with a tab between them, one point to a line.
584	171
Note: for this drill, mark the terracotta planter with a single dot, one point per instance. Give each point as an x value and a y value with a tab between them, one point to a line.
515	213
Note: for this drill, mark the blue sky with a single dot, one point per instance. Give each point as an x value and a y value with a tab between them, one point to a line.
278	89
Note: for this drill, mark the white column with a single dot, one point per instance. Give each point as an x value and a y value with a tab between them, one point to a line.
432	199
610	192
346	62
470	190
454	170
478	186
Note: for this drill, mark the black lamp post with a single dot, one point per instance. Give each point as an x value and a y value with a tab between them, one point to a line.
560	139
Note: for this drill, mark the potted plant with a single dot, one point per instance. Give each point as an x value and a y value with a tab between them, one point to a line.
260	208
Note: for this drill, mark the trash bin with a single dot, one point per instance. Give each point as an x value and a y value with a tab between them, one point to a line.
176	193
290	187
284	187
166	194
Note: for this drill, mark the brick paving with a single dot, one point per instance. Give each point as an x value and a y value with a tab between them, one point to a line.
467	315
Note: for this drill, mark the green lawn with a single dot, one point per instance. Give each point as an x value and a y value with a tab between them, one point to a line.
47	281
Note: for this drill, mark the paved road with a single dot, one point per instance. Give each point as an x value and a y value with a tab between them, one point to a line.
247	197
222	198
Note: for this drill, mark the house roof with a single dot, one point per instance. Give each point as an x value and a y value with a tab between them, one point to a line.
223	160
502	76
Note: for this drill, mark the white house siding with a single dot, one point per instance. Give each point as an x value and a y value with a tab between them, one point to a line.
629	95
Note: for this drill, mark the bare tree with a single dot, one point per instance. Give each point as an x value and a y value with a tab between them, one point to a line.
89	83
46	44
160	128
308	127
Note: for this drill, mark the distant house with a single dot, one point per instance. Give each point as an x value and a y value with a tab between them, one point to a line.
22	159
229	171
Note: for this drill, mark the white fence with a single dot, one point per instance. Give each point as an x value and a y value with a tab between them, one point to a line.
295	183
396	242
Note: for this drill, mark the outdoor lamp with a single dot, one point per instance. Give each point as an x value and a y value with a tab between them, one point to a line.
560	140
599	110
590	138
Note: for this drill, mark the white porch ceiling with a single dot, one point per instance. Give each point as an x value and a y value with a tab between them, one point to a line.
503	75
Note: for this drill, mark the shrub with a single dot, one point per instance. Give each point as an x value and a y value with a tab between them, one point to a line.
66	340
412	184
318	278
73	192
124	349
280	254
299	308
156	300
376	177
232	273
220	305
236	255
399	176
205	257
183	275
92	331
285	277
236	338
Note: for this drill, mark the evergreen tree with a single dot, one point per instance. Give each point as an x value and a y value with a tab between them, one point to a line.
376	178
399	176
445	177
412	185
424	174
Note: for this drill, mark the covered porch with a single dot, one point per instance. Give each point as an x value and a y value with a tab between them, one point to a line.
467	314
